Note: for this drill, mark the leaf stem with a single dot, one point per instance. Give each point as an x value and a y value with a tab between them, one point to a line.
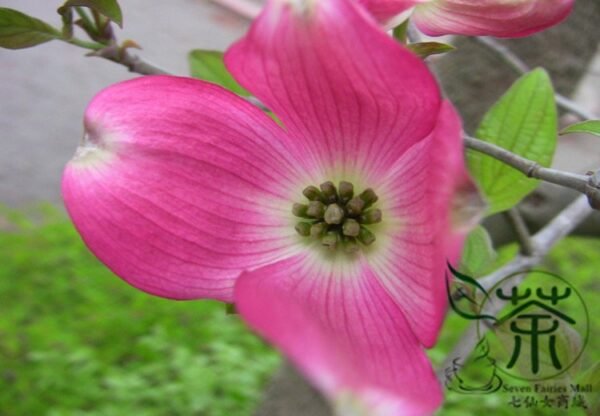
87	22
84	44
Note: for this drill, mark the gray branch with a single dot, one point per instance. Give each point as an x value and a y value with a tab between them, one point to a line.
138	65
588	185
543	241
521	67
133	62
522	232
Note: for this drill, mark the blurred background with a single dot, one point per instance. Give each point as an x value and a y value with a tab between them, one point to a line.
75	340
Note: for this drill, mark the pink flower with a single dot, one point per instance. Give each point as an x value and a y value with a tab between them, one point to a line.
186	191
500	18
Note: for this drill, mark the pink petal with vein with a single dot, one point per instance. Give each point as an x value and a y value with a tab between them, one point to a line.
349	94
417	237
452	188
355	327
340	327
498	18
180	185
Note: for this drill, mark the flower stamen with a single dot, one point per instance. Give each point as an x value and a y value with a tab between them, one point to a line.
336	216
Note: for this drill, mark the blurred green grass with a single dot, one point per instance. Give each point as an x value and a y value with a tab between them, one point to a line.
75	340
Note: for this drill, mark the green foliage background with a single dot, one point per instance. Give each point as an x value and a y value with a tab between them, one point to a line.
75	340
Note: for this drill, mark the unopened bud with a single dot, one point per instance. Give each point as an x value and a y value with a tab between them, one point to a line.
303	228
299	210
369	196
330	240
351	245
316	209
312	193
365	236
351	228
355	206
334	214
318	229
346	191
329	192
372	216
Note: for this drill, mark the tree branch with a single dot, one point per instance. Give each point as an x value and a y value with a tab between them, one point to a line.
136	64
588	185
543	241
133	62
121	55
520	228
521	67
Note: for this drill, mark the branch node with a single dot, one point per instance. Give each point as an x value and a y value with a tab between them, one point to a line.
532	171
592	190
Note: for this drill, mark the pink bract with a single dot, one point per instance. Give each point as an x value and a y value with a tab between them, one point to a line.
185	191
500	18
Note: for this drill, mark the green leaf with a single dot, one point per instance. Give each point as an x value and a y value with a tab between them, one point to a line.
107	8
209	66
478	252
400	32
591	378
18	30
589	126
425	49
524	122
